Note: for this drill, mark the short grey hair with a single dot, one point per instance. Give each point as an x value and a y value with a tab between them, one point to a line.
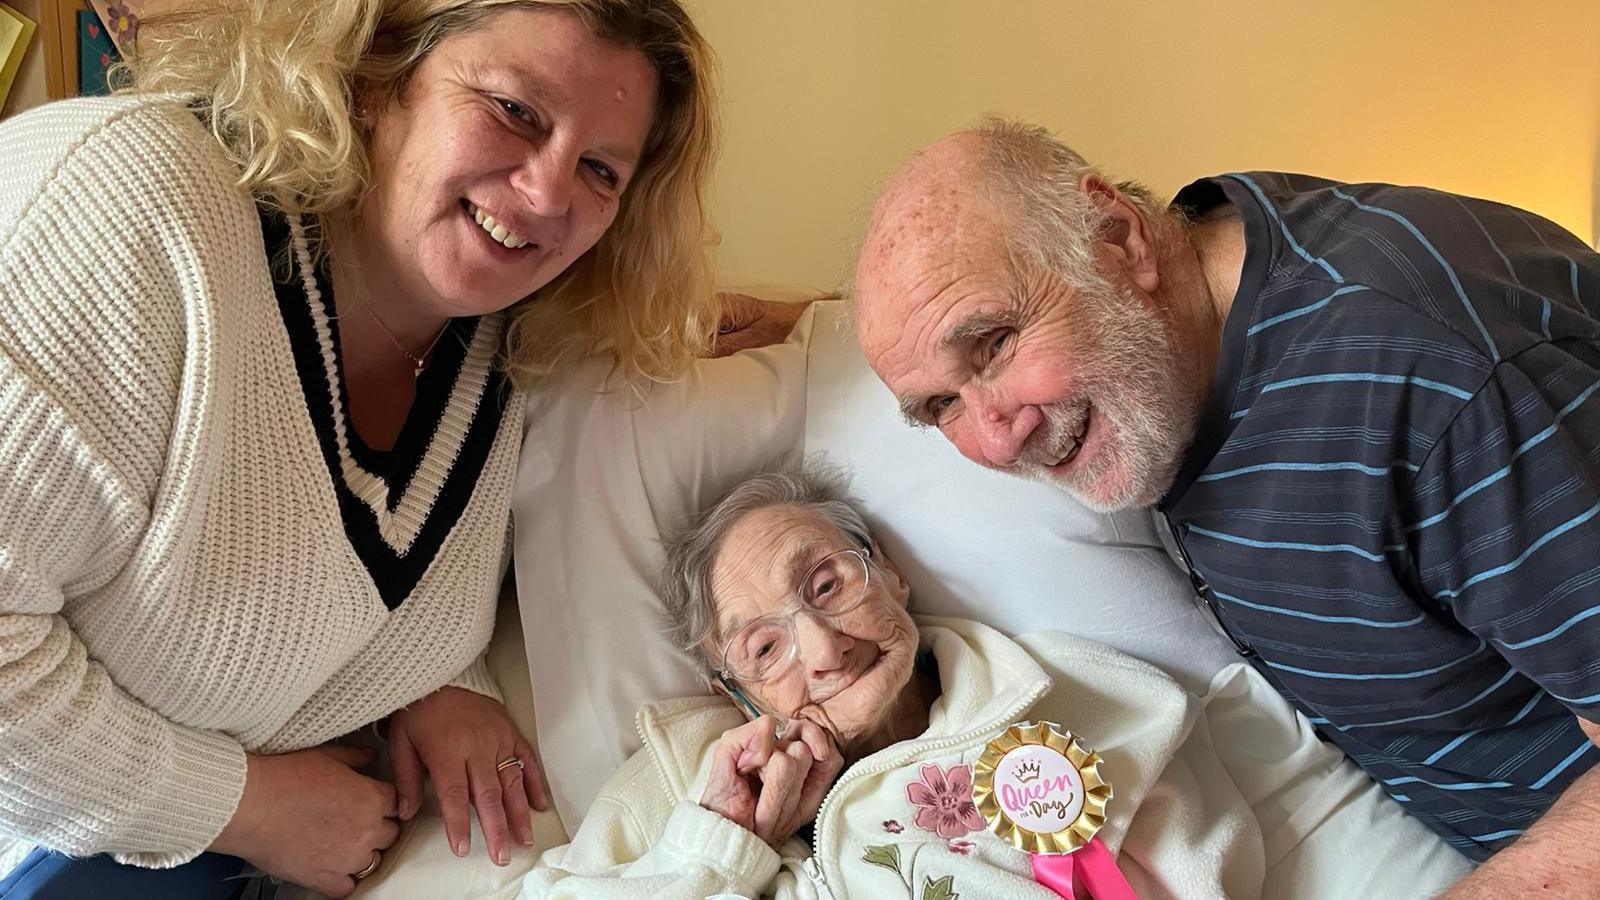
686	581
1037	176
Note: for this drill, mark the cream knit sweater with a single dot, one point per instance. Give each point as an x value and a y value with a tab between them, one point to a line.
176	582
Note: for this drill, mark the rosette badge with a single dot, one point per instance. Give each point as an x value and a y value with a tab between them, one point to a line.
1040	788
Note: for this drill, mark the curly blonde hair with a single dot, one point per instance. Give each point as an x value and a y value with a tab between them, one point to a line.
279	83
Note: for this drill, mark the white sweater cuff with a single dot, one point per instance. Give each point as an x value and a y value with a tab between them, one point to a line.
696	833
477	678
191	803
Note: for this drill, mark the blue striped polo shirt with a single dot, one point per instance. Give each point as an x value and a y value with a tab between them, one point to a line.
1393	498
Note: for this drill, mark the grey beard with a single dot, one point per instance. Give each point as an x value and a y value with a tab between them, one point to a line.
1138	391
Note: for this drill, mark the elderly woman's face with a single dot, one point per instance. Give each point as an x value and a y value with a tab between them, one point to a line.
847	669
505	160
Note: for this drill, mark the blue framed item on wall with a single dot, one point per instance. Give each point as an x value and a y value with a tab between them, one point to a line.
96	55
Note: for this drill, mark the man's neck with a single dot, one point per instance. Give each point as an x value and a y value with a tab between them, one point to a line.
1218	242
1202	268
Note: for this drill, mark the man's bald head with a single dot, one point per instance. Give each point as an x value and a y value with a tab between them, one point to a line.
939	207
1009	185
1005	292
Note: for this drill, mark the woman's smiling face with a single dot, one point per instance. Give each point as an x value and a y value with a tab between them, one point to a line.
530	120
847	669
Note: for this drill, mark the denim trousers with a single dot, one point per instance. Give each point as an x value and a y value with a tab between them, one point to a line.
47	875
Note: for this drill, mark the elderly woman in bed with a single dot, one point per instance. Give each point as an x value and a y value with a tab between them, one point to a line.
843	765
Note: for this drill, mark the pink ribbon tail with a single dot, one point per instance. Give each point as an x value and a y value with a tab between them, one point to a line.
1054	871
1100	874
1096	871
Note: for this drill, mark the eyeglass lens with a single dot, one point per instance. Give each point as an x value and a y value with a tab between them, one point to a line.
835	585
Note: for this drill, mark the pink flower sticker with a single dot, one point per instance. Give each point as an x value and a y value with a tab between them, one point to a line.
944	801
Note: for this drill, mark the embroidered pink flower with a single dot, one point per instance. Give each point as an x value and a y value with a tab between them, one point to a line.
962	847
892	826
945	801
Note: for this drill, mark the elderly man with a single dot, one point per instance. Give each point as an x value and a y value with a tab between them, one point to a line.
1368	412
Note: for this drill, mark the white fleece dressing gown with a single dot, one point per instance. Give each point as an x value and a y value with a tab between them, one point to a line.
1179	822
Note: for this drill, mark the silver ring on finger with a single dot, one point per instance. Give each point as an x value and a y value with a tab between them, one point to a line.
377	858
508	762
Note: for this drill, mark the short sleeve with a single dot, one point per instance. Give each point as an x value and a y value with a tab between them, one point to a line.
1503	518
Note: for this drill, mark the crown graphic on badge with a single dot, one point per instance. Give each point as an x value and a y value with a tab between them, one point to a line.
1040	788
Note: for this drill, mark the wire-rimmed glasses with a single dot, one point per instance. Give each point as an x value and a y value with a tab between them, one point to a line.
763	647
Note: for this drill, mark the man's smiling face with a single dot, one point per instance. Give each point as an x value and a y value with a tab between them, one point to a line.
1081	386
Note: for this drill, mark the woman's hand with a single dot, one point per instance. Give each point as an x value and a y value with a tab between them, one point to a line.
309	817
460	738
771	786
748	322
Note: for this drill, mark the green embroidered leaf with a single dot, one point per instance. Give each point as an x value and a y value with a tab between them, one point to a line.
887	856
943	889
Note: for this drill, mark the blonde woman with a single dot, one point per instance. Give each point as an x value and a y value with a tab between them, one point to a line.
262	323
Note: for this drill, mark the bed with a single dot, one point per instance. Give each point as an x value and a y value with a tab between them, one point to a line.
605	472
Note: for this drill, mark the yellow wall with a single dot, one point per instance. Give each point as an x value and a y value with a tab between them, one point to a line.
822	98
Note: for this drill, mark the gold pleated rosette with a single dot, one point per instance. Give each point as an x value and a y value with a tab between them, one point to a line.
1040	788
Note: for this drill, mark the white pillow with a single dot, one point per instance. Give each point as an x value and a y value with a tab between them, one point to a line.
1018	555
602	476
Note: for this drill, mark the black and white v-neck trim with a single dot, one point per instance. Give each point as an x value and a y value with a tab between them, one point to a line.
399	505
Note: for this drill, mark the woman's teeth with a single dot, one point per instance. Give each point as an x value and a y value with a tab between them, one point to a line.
496	230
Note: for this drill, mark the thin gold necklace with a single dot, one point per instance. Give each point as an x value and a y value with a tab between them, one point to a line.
418	362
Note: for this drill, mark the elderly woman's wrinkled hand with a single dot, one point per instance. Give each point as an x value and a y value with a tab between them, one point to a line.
770	785
464	740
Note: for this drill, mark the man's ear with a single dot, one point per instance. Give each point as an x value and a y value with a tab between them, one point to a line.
1126	235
